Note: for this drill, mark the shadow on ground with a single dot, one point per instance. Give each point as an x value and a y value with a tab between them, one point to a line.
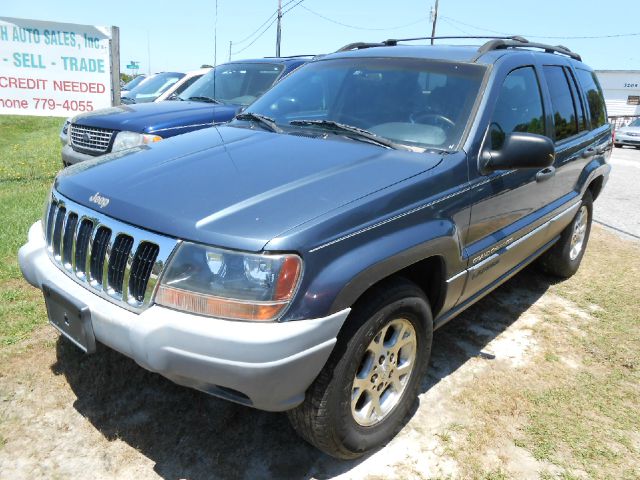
188	434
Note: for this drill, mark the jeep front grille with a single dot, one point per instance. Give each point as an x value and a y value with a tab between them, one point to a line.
90	138
115	260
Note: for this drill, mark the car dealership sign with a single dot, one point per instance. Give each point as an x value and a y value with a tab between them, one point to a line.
57	69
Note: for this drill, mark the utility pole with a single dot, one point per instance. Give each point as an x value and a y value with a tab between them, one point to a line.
215	38
230	43
279	34
434	19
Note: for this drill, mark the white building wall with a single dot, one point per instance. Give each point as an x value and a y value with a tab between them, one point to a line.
617	86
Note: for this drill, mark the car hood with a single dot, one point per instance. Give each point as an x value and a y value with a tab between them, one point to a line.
153	117
629	130
234	187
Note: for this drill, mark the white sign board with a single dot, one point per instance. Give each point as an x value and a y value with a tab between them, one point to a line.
54	69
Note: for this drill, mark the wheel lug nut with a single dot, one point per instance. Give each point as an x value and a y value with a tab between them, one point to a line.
381	359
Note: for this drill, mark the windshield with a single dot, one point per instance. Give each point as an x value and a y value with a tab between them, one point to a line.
134	83
414	102
156	84
235	83
635	123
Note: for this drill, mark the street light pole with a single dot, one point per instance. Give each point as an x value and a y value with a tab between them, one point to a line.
279	34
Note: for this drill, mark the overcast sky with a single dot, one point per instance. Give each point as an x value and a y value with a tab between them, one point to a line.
172	35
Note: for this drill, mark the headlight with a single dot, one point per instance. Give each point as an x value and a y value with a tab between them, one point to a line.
227	284
64	133
126	140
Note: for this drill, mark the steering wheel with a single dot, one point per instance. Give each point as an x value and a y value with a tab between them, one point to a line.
438	119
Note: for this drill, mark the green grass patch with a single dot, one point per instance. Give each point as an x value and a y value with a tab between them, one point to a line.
29	160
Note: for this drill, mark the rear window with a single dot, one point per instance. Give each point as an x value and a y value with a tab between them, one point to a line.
564	112
595	99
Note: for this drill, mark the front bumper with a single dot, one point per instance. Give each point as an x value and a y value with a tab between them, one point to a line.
265	365
624	139
71	157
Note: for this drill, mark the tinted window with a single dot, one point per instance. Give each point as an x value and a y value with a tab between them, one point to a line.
234	83
564	113
414	102
577	101
519	107
595	99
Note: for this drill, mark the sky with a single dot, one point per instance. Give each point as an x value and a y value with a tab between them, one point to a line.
179	36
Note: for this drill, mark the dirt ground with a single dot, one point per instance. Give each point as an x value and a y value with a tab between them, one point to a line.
67	415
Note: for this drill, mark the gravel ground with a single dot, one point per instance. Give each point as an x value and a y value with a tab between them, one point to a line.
618	207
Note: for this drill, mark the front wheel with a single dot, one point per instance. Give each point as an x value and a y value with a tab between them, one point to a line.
563	259
362	396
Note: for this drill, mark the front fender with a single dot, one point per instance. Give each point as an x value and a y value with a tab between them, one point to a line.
353	265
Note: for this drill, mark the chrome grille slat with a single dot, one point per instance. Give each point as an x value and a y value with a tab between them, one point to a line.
118	261
90	138
103	254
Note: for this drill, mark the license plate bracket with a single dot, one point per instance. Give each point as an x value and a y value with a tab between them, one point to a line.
70	317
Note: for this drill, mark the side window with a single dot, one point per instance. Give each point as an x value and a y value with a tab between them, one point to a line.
519	107
185	85
595	99
564	112
577	101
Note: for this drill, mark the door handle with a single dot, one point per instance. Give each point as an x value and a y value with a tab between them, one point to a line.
589	152
545	174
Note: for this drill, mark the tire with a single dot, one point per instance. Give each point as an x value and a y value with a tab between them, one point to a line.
563	259
328	418
618	145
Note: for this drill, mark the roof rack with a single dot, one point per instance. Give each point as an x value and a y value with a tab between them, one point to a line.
494	43
516	42
295	56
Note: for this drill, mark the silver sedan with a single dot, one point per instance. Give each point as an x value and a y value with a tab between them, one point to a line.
629	135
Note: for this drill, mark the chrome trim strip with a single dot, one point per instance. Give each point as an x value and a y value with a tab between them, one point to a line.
486	260
166	246
456	276
413	210
211	124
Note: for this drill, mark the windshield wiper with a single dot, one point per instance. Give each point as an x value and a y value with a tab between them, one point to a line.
268	122
127	100
352	132
200	98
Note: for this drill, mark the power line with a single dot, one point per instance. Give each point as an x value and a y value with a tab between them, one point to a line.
552	37
355	27
262	25
270	24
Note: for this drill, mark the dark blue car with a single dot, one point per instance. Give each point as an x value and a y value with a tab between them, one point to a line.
301	256
214	98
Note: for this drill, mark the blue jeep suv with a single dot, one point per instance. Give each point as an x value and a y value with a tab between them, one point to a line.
300	257
214	98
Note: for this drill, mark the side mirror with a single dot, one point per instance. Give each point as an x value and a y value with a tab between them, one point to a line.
519	150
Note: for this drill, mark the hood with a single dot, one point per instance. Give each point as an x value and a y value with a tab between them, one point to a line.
234	187
629	130
153	117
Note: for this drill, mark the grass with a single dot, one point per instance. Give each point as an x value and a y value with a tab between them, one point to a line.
29	160
578	418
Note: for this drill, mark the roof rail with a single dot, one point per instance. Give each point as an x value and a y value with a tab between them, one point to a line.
520	42
296	56
494	43
359	46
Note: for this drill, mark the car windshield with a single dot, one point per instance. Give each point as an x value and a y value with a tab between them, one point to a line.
134	83
409	101
234	83
156	84
635	123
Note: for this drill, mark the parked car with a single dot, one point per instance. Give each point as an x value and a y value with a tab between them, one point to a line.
214	98
126	88
181	85
300	257
151	87
629	135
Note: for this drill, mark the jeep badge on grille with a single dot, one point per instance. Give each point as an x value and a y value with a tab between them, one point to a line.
99	200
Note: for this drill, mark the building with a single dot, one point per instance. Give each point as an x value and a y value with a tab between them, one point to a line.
621	94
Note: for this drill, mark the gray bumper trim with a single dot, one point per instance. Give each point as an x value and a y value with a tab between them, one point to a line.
71	157
270	365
